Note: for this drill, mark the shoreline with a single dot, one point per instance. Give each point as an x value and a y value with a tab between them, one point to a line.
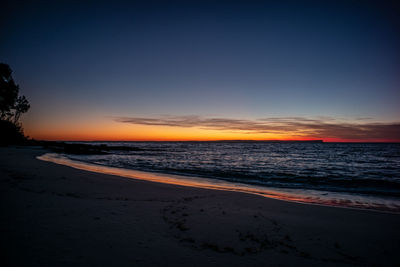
301	196
58	215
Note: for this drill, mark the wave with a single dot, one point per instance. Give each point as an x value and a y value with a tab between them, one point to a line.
308	196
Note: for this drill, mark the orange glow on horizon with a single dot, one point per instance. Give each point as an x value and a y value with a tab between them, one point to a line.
124	132
89	127
147	133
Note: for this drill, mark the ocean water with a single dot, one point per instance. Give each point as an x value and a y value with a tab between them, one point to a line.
365	170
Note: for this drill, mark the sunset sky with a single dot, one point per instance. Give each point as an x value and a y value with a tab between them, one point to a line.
206	70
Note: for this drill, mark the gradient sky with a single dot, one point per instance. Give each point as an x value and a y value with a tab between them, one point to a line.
206	70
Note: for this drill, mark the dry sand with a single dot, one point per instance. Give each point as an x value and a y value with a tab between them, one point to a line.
53	215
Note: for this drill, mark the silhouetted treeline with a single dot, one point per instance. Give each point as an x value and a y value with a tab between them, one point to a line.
11	133
12	106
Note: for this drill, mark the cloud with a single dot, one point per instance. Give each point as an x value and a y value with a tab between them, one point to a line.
295	126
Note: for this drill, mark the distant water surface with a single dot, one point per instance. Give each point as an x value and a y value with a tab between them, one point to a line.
356	169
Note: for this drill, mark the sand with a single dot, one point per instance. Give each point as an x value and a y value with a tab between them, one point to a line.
54	215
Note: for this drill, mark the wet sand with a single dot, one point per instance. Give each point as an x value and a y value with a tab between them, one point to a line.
54	215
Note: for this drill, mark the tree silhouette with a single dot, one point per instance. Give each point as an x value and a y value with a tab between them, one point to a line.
21	106
12	106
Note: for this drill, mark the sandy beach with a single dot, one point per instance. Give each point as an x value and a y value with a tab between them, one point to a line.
54	215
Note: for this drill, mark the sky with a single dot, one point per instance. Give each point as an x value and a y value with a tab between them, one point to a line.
206	70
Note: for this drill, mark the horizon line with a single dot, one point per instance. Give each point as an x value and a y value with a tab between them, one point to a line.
230	140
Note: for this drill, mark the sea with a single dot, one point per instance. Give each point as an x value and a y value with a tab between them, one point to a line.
351	175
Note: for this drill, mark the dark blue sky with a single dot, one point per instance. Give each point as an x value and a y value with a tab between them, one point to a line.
236	59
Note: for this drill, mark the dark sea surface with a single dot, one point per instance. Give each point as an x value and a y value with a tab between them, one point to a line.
364	169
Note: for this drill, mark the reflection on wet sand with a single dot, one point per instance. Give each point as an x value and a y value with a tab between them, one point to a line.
294	195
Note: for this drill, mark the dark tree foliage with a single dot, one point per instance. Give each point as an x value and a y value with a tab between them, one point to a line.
21	106
8	91
11	133
12	106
